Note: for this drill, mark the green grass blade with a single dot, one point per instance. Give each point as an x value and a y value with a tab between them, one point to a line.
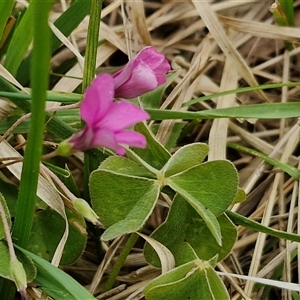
66	98
88	75
70	19
39	82
20	42
242	90
69	98
5	9
294	172
288	9
256	111
253	225
66	23
92	44
55	282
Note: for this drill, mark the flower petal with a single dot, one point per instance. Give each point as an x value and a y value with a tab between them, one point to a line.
123	75
142	80
98	99
131	138
122	114
105	138
145	72
83	139
154	59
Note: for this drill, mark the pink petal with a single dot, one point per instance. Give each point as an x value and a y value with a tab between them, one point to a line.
121	115
98	99
155	60
108	139
83	139
142	80
105	138
131	138
123	75
145	72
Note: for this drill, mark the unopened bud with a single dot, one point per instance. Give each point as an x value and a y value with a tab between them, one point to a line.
83	208
19	275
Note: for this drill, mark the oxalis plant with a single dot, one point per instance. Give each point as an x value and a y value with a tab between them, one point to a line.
127	171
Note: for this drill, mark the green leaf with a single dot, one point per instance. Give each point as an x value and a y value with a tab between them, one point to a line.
186	157
190	238
209	188
216	285
172	285
123	203
10	194
55	282
208	217
203	242
7	214
5	263
47	230
176	222
124	166
20	42
240	196
155	154
194	281
213	184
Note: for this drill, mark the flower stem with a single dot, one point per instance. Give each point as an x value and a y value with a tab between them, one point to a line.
7	233
119	262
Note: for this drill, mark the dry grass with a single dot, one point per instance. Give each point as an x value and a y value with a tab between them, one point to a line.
214	46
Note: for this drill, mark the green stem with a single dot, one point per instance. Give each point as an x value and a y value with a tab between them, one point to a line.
120	262
89	74
39	81
7	233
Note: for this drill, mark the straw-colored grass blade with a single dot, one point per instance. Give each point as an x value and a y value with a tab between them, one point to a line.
217	31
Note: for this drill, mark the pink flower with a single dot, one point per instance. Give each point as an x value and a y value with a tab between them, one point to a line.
106	121
144	73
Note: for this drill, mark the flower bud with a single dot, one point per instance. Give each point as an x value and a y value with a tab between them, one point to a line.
19	275
142	74
83	208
